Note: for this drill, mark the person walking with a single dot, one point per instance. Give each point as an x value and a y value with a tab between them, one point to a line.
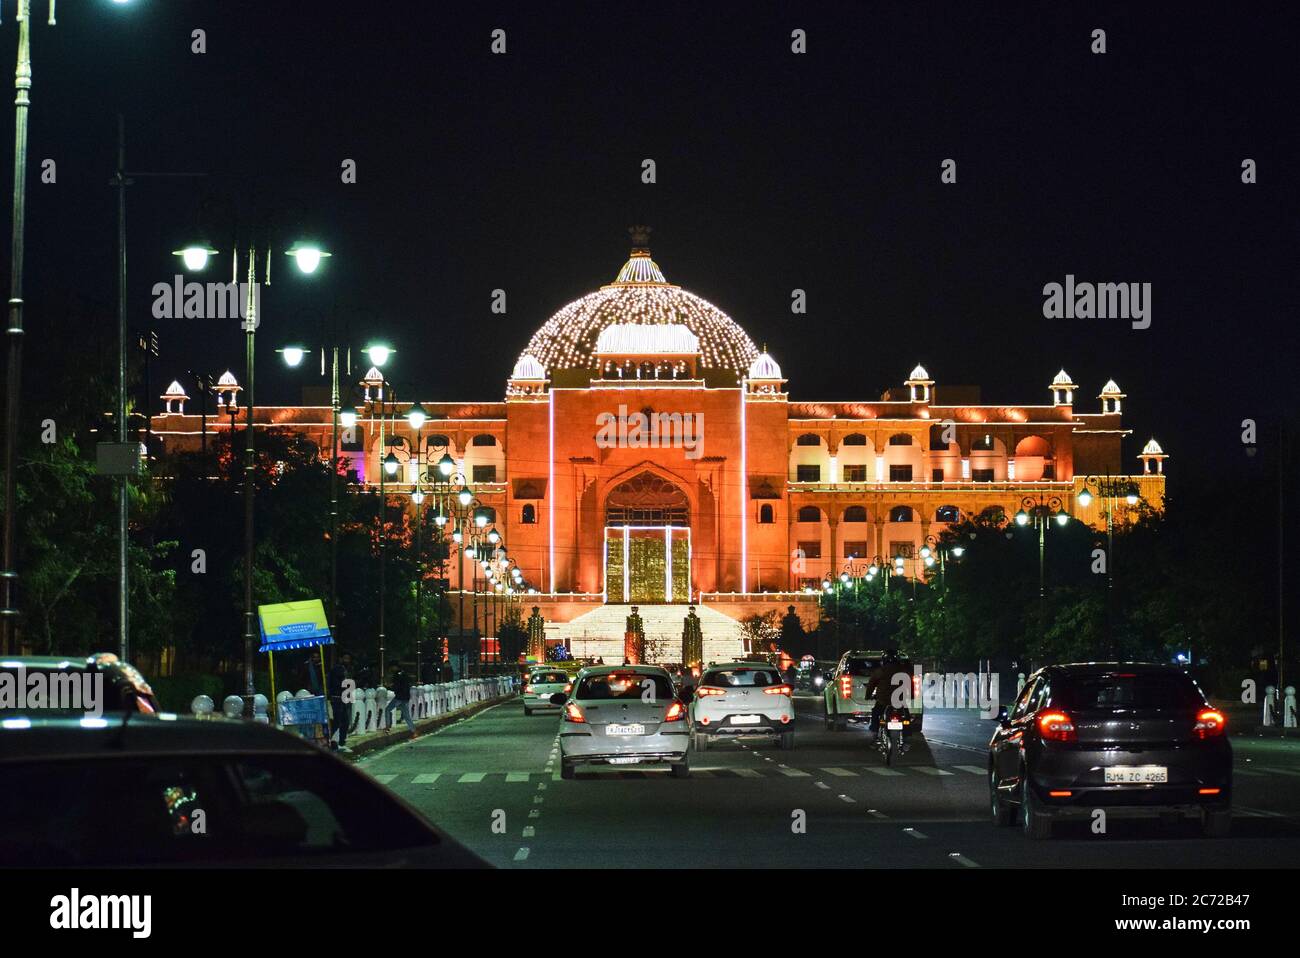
340	689
401	688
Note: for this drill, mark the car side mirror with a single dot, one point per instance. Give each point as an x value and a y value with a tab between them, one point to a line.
559	698
1004	718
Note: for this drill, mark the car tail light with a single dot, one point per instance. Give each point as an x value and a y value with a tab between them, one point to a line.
1057	727
704	720
1061	794
779	690
676	712
785	720
1210	723
916	686
846	686
572	713
1208	791
706	690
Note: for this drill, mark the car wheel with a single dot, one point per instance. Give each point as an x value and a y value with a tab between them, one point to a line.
1003	813
701	742
527	710
787	740
1216	822
682	769
567	770
1035	823
841	723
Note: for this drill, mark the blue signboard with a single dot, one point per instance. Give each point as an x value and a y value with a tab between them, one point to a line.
308	711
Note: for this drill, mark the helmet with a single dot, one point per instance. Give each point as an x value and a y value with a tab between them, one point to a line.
890	657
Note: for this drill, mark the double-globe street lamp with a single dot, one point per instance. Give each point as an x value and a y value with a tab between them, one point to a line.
308	257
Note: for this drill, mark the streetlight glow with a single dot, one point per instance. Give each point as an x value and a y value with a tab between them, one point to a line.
1085	498
391	463
1022	517
195	257
446	465
465	496
293	354
378	354
348	416
416	416
307	256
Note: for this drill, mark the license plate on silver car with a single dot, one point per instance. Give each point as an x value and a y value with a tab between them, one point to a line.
631	760
745	719
624	729
1137	775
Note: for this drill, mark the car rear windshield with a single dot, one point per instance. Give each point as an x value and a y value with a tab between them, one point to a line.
1127	690
864	667
625	685
549	678
253	806
737	678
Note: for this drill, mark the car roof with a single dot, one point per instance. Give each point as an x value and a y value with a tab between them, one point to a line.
866	654
61	736
1101	668
44	662
740	665
606	669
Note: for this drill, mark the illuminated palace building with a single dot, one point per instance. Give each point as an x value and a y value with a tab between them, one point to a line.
646	452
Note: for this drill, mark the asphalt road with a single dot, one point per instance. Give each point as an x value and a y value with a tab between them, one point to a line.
493	782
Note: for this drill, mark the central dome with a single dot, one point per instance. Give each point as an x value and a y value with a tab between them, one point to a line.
640	296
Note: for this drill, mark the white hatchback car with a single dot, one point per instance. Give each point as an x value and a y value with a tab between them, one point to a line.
623	715
541	685
742	698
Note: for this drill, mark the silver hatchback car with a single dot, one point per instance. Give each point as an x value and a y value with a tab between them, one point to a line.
623	715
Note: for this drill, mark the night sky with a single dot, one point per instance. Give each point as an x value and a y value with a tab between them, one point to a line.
775	171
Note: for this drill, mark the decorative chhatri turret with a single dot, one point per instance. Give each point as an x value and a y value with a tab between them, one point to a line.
920	384
1063	389
1152	452
175	394
1110	396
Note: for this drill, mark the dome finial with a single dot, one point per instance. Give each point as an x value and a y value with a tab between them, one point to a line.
640	238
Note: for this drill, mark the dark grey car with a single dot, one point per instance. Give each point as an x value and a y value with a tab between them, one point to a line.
1131	739
143	790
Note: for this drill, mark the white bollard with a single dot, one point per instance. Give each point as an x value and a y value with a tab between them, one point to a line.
232	706
1020	682
1270	704
202	706
370	720
260	703
1288	708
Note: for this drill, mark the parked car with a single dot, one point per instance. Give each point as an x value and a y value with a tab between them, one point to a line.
844	693
1133	739
541	685
135	790
742	698
623	715
85	680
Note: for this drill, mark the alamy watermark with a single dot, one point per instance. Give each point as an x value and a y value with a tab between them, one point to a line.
651	430
1073	300
21	690
193	300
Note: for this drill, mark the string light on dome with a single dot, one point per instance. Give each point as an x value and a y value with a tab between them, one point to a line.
640	295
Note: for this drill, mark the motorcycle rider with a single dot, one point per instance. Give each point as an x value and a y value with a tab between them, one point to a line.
886	679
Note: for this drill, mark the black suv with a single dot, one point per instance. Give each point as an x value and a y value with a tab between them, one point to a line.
1129	738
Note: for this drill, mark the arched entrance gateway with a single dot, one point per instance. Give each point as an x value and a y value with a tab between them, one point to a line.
647	541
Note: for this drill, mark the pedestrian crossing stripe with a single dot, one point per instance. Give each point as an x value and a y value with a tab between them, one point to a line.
793	772
472	777
883	771
384	778
931	770
842	772
426	778
516	776
973	769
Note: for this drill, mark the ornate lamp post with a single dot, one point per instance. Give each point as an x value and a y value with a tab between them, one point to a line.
1110	489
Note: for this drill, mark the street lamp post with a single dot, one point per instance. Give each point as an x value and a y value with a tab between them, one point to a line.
196	258
1039	511
1110	489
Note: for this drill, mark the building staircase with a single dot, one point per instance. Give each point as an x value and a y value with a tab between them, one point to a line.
599	633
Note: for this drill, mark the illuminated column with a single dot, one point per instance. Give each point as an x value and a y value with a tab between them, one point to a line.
835	542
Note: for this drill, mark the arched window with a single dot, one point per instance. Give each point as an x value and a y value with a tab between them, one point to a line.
765	514
483	439
856	439
947	514
855	514
809	439
900	514
489	512
984	442
900	439
437	441
529	515
810	514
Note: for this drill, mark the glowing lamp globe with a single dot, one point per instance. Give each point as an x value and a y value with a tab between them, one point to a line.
293	355
348	416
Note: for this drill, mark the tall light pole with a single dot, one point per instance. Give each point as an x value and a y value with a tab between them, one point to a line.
1110	489
308	258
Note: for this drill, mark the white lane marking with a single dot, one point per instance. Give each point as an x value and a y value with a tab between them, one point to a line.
1248	771
535	813
822	785
963	860
845	798
875	770
794	772
746	773
472	777
516	776
384	777
874	813
541	786
529	831
913	832
1281	771
931	770
698	772
538	799
842	772
973	769
1256	812
965	748
521	854
426	778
